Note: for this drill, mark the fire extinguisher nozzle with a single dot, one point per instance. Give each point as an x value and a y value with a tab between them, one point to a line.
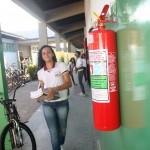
91	29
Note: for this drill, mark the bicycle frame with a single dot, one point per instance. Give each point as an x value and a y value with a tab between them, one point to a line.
16	129
14	119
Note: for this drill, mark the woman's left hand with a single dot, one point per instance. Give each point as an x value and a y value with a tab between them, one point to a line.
51	93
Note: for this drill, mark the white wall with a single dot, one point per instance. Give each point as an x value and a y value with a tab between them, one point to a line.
93	6
34	54
11	58
4	40
25	49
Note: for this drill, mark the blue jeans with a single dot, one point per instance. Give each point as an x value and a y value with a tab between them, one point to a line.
80	77
56	114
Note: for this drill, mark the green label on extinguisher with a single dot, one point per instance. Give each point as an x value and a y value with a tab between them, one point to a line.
99	82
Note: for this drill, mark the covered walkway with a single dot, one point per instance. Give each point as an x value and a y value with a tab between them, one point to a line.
80	132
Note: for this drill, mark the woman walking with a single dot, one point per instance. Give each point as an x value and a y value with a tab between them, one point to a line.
70	68
84	66
79	69
54	77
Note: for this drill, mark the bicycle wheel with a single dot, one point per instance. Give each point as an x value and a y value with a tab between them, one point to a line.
26	136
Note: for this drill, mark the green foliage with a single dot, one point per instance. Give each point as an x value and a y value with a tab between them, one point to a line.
32	71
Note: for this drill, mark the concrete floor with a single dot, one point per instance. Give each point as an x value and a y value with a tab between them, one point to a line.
81	134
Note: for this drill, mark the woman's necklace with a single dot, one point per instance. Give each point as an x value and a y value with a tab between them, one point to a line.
50	69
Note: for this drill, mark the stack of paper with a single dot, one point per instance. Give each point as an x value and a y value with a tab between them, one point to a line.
36	94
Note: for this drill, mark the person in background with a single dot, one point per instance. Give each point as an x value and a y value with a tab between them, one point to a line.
70	68
22	64
84	65
79	69
26	63
88	70
54	77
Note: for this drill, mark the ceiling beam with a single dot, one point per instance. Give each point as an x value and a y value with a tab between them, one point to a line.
78	45
65	11
56	14
79	38
72	27
75	35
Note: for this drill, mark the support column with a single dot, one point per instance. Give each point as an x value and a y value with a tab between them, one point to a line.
57	41
65	47
58	52
69	47
73	49
42	34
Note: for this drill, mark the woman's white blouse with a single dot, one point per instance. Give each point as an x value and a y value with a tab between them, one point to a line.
53	78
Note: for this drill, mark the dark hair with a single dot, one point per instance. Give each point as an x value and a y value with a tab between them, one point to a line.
41	62
79	53
73	59
83	55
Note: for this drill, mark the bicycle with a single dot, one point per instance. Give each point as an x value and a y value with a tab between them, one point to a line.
16	135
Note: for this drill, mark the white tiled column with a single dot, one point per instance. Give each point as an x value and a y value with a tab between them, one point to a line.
57	41
69	47
42	34
65	47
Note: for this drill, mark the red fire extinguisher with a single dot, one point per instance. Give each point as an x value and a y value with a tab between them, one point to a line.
104	77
